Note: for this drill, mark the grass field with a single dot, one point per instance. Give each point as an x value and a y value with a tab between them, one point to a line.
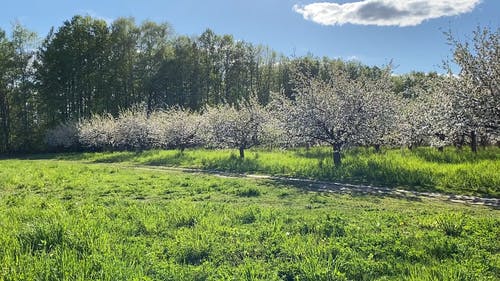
70	220
424	169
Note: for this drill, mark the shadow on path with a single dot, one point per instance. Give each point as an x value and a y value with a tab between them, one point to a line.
341	188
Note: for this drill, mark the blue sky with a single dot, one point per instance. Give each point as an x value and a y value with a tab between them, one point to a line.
408	32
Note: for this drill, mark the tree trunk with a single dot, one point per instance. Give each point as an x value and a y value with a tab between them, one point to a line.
460	141
337	160
473	142
441	137
242	152
5	145
483	140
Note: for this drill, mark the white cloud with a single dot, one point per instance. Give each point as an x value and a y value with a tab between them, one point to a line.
384	12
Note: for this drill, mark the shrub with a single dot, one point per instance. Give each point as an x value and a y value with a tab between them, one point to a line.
132	130
96	133
63	136
175	128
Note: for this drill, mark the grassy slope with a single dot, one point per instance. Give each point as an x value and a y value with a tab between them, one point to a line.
421	169
76	221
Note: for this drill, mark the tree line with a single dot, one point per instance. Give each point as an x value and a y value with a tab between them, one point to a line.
87	66
88	76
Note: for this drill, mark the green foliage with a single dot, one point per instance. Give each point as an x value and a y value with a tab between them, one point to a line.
88	67
18	130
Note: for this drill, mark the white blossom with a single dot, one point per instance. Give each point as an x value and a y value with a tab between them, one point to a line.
238	127
64	135
176	128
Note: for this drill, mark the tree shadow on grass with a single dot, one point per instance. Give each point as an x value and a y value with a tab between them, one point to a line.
106	157
384	192
345	188
175	159
451	155
359	190
232	163
314	153
391	175
326	152
44	156
117	157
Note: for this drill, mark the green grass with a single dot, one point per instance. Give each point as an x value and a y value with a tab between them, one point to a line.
424	169
62	220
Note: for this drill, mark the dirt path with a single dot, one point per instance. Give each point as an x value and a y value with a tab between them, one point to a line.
334	187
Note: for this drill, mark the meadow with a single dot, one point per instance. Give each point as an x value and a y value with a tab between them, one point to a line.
78	217
422	169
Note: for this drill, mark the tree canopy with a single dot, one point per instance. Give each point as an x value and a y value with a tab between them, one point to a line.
89	73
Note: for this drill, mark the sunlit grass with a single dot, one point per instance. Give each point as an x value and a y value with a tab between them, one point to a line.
65	220
426	169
